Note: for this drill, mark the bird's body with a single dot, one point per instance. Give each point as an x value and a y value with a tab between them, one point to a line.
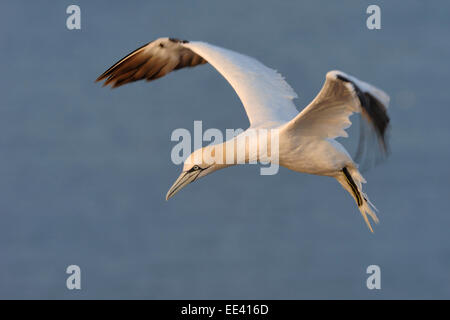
306	140
308	155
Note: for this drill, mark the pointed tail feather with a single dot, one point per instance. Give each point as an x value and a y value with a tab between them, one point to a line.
352	181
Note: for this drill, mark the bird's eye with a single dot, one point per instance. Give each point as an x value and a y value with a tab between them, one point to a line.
196	167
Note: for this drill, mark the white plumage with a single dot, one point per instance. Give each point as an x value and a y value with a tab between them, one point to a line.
266	97
306	139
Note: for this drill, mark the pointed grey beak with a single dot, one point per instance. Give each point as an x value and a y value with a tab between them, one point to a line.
183	180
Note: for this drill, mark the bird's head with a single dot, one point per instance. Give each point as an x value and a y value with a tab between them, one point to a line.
199	164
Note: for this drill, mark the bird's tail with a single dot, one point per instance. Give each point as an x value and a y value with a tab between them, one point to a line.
352	181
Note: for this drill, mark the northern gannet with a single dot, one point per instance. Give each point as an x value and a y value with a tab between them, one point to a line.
306	139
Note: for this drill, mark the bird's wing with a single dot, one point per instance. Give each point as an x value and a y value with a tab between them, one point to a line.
151	61
266	97
328	115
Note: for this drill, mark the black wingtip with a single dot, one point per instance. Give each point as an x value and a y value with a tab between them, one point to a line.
378	114
99	79
115	66
374	109
178	40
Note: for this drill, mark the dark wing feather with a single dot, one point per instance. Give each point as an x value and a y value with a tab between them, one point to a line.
328	114
151	61
375	113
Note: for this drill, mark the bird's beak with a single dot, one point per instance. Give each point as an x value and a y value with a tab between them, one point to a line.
183	180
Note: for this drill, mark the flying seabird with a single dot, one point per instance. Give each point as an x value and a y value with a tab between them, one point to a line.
307	139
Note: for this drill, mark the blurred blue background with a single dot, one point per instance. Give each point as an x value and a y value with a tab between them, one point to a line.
84	169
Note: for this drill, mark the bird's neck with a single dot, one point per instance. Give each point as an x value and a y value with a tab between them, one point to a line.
247	147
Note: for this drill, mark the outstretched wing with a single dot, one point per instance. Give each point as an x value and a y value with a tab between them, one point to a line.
328	115
151	61
266	97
